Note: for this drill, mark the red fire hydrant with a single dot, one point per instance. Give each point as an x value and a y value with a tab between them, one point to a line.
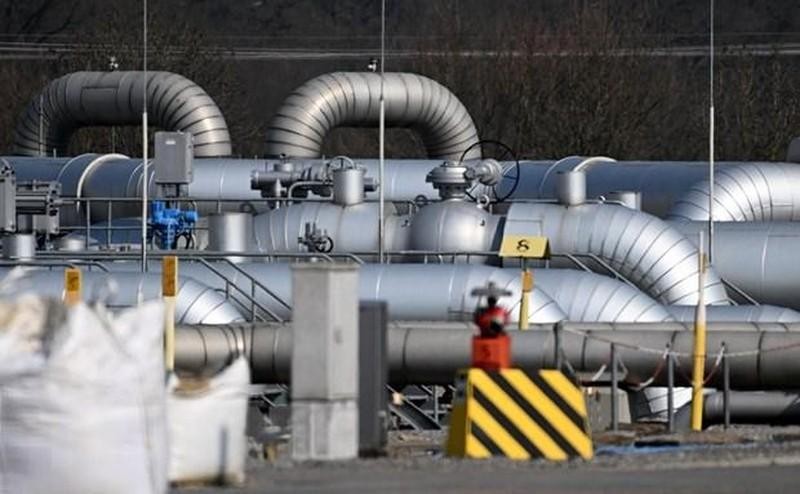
491	349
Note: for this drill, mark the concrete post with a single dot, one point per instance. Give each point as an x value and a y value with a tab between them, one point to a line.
373	377
324	369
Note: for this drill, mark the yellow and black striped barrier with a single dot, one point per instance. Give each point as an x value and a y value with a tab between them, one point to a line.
518	415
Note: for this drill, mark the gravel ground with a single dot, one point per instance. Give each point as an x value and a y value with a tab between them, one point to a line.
743	459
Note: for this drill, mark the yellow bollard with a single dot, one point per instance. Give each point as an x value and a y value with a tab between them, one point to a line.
699	353
72	286
169	289
524	305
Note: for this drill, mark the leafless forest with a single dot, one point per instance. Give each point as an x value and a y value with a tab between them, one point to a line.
547	77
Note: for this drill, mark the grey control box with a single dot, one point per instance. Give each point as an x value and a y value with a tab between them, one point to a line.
173	160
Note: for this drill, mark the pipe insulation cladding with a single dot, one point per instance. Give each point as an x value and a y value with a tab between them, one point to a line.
425	354
87	99
352	99
649	252
196	303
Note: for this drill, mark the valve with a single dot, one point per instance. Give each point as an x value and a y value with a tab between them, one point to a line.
316	240
170	224
491	348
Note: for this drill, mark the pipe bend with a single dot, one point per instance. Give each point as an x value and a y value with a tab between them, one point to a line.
342	99
649	252
83	99
744	192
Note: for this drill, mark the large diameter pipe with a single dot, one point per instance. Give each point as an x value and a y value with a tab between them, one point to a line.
758	258
351	99
196	303
649	252
83	99
765	356
776	408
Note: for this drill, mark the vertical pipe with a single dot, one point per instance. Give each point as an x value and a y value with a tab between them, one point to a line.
726	386
699	350
670	391
614	390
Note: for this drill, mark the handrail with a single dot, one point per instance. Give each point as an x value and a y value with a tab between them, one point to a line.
251	299
740	292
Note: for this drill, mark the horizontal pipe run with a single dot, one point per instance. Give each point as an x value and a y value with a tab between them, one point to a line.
762	356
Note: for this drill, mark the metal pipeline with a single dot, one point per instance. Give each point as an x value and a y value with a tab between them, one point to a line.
83	99
745	192
757	257
776	408
644	249
737	313
196	303
769	358
351	99
435	292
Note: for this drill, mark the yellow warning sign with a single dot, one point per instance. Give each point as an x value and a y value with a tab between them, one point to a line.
525	246
169	276
518	415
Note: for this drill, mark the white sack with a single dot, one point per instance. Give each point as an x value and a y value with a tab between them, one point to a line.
91	418
207	421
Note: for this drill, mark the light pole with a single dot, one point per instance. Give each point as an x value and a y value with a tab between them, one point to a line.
381	136
144	136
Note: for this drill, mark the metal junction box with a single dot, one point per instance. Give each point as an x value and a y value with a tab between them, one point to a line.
173	159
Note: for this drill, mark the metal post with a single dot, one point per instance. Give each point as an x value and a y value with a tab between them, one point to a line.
670	391
169	290
108	225
88	206
144	136
72	286
726	386
524	304
614	389
699	351
557	346
381	135
711	134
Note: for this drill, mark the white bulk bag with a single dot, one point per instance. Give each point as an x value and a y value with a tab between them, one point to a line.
207	421
90	419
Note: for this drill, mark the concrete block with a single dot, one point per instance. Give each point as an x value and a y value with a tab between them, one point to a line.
325	331
324	430
598	404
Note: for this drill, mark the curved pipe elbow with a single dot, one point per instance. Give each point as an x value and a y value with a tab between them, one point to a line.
83	99
352	99
746	192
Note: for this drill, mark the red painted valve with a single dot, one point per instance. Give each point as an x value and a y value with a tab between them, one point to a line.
491	349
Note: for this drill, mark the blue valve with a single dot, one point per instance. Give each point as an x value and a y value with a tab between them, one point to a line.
169	224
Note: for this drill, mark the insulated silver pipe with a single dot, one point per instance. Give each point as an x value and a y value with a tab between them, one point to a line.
771	407
745	192
591	297
195	303
649	252
83	99
438	292
426	354
351	99
757	257
737	313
